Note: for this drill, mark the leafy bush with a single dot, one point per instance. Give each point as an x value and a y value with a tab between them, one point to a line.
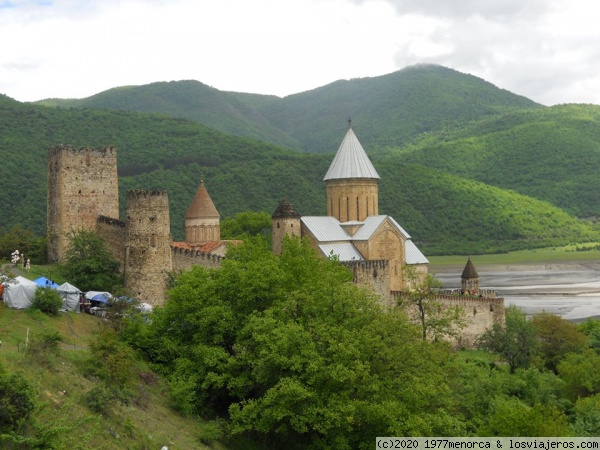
48	301
16	401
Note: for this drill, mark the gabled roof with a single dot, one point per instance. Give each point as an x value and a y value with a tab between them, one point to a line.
331	236
351	161
414	255
325	228
345	251
372	223
202	206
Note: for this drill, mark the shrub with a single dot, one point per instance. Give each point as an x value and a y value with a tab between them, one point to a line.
16	401
48	301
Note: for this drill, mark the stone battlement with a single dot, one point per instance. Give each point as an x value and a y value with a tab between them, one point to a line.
146	193
103	151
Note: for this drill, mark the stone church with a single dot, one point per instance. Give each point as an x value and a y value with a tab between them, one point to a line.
373	245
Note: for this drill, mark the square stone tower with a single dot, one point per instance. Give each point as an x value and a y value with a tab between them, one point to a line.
82	185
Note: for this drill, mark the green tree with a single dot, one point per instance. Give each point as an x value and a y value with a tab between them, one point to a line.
16	401
515	342
89	265
587	416
18	238
591	328
436	320
512	417
580	373
47	300
290	349
247	223
556	338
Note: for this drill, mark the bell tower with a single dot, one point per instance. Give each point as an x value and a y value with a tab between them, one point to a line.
352	182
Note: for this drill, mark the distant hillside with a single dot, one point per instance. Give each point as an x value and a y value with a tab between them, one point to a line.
551	154
390	110
193	100
157	152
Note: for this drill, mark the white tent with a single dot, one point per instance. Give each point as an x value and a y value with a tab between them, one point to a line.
70	295
19	293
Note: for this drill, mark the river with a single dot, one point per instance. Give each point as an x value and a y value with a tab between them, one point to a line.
570	290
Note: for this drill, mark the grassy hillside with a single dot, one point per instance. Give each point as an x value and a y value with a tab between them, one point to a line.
62	414
552	154
390	109
450	214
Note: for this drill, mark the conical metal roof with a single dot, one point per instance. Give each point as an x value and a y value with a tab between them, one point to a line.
202	206
351	161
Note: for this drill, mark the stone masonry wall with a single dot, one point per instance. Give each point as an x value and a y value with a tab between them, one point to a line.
185	259
147	245
113	232
479	314
373	274
82	184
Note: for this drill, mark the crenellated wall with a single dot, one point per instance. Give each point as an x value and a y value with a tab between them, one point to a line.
478	313
184	259
374	274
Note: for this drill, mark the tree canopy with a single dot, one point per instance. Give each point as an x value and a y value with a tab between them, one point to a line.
88	263
290	349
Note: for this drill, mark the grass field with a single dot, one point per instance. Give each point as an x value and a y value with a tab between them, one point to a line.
566	254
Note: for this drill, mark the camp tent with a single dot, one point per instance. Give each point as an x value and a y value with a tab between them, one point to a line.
45	282
98	297
70	295
19	293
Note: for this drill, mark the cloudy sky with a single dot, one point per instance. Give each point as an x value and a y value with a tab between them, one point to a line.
546	50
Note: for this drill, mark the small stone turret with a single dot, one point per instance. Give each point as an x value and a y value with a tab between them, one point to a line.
469	278
286	222
147	245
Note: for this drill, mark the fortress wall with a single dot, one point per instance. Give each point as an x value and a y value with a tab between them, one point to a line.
374	274
113	232
185	259
478	313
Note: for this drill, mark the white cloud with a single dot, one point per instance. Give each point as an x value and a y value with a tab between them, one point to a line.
546	50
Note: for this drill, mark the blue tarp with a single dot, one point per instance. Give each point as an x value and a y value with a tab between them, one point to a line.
45	282
95	296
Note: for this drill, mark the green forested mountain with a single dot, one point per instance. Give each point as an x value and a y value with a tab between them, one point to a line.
443	212
390	109
552	154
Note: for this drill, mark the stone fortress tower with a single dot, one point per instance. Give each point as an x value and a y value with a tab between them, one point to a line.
82	185
147	244
286	222
83	194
